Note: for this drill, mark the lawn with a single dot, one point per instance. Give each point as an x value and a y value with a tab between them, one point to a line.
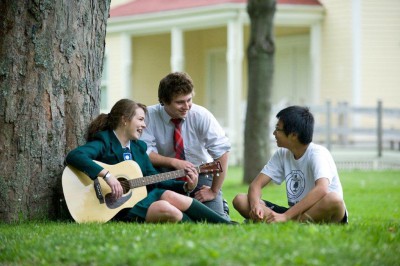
371	238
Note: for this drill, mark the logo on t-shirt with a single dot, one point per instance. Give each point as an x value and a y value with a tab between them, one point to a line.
295	185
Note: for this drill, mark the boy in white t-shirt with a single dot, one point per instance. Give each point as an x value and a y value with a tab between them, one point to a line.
313	187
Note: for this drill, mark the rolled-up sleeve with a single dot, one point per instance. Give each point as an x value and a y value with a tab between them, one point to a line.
215	140
149	139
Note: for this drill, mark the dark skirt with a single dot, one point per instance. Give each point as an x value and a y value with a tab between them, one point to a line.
138	212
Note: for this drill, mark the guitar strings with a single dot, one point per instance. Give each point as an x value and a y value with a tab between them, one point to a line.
125	185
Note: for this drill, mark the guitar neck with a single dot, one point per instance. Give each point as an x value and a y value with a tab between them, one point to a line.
152	179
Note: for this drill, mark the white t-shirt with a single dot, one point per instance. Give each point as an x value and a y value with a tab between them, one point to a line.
300	175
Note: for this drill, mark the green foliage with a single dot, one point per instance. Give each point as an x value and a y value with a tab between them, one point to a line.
371	238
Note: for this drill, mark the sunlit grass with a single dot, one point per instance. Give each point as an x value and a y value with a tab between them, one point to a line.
371	238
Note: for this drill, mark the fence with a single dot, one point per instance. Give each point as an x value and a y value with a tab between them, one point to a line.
362	127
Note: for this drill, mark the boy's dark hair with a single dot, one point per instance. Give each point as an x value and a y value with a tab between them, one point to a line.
174	84
298	120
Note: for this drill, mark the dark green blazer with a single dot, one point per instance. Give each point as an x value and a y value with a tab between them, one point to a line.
106	148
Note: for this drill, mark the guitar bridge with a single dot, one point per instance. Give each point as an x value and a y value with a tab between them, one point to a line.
97	188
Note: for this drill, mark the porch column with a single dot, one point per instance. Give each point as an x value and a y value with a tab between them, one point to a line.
177	50
356	85
126	62
234	82
356	52
119	83
315	56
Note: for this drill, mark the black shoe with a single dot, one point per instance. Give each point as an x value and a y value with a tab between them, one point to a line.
226	207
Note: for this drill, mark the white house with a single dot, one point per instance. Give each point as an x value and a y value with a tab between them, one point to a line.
342	50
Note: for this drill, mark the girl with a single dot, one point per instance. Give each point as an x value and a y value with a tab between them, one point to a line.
114	137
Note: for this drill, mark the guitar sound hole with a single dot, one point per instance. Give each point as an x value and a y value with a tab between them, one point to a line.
125	184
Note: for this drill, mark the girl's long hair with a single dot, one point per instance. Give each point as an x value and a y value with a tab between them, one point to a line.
123	108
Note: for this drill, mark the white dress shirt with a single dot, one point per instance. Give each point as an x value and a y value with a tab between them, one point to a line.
203	138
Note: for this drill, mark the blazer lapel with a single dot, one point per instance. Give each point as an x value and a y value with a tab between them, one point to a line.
116	147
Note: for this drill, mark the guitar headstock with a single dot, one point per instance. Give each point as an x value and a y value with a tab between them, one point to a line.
210	168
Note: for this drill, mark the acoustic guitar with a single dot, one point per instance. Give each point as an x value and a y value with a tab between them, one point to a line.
91	201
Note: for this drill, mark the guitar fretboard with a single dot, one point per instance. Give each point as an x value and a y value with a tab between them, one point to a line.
151	179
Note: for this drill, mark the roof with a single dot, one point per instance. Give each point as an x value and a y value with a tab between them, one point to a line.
137	7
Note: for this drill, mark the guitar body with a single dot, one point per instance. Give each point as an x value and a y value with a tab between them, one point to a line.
80	194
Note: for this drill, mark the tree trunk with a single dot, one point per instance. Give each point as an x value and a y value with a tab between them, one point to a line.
260	55
51	56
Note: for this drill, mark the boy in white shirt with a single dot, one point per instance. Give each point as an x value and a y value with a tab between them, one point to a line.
313	187
203	138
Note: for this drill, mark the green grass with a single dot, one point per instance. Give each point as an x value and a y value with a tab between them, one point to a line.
371	238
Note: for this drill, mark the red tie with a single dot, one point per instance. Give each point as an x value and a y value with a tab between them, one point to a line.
178	140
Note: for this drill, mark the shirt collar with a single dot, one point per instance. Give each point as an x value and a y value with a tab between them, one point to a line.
128	145
165	116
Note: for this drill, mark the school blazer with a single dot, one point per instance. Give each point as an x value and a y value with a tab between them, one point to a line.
106	148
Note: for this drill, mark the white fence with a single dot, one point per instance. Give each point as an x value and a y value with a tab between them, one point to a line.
358	137
358	131
357	127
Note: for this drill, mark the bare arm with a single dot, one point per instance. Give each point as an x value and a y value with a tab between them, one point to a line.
316	194
207	193
163	161
219	180
254	196
115	185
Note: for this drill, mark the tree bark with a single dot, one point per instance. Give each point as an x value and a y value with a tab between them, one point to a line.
51	56
260	55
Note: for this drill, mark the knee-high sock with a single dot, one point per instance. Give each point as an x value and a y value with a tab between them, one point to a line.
186	218
200	213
